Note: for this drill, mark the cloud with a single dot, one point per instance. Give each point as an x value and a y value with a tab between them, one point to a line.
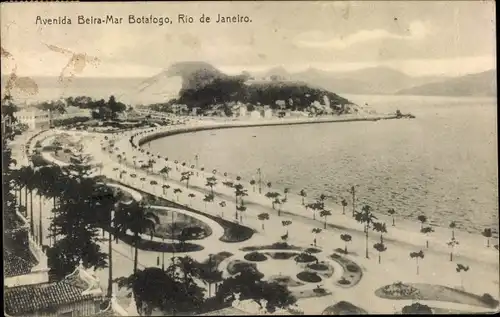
417	30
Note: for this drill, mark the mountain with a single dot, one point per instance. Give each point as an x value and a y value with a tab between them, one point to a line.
372	80
479	84
204	86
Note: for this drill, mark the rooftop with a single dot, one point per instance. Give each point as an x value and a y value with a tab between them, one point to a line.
18	259
33	298
229	311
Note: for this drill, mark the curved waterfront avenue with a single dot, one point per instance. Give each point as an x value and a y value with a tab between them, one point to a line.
395	264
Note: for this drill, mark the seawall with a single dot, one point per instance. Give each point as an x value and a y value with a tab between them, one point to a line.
245	124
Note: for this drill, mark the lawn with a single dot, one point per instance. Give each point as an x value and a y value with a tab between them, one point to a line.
274	246
421	291
352	272
172	224
233	232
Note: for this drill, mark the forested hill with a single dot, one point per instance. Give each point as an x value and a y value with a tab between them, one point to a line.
204	86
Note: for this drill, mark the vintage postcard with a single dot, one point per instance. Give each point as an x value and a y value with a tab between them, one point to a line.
244	158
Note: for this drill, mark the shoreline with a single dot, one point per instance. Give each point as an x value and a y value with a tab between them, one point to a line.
211	124
146	136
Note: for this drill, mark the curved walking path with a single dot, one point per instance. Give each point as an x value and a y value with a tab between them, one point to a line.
396	264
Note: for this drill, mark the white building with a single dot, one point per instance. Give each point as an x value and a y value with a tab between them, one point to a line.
254	115
243	110
33	117
268	113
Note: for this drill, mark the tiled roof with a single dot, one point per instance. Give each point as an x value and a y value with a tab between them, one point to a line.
18	262
33	298
229	311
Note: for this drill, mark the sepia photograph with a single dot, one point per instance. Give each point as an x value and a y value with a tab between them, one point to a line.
249	158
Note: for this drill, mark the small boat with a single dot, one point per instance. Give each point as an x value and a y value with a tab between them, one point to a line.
254	136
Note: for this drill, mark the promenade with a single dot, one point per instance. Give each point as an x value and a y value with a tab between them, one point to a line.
396	264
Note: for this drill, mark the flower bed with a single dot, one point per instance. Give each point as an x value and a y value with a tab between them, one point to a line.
352	273
274	246
305	258
421	291
255	257
285	280
309	277
282	255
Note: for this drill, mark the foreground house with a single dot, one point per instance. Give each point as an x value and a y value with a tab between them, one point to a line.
28	292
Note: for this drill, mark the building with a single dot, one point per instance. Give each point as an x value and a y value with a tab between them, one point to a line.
268	113
28	292
243	110
34	118
255	114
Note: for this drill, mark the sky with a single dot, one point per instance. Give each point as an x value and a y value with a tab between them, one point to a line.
448	38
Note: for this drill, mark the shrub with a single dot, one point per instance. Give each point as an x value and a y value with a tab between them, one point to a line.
489	300
352	268
283	255
310	277
318	266
344	281
312	250
319	290
280	245
255	256
417	309
304	258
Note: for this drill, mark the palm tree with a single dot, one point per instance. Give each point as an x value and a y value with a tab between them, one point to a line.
136	218
353	193
427	231
487	234
222	204
422	219
241	208
325	213
391	212
191	196
252	183
273	196
164	188
277	201
176	192
452	243
185	176
207	199
263	217
380	247
346	238
285	224
239	191
344	204
315	231
416	256
211	182
462	268
314	207
366	217
304	195
166	170
453	225
286	191
380	227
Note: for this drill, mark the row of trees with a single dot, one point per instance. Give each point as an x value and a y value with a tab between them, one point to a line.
176	290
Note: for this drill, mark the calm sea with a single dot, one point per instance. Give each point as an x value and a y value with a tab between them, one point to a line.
442	164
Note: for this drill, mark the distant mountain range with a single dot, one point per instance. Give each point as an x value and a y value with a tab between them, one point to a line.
480	84
385	80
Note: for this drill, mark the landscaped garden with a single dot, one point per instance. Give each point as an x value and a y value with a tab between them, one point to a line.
420	291
174	225
233	232
351	274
